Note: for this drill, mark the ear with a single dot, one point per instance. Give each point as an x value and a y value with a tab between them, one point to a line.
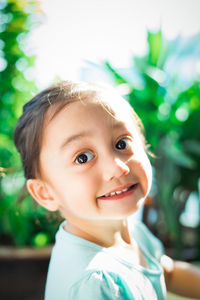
40	192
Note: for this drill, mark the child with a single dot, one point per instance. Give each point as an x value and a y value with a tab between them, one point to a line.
84	154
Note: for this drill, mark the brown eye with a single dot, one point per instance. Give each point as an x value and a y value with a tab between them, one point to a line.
122	144
83	158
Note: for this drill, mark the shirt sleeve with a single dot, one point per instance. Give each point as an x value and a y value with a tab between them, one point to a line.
100	285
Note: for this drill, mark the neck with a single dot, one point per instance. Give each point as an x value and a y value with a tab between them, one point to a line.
105	234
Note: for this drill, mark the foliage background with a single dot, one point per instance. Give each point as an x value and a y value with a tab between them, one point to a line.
163	88
21	221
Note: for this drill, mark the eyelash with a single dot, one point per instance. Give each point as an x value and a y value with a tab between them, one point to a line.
90	154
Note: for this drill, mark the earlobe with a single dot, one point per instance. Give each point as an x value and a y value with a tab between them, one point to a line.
40	192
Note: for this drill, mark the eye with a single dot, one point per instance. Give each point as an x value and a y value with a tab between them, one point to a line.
84	158
122	144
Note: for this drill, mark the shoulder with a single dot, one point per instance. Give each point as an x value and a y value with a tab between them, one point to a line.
147	240
111	285
100	284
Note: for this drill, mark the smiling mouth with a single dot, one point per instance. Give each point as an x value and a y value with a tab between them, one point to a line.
119	194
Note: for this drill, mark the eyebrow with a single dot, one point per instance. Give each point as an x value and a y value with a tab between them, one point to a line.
74	138
82	134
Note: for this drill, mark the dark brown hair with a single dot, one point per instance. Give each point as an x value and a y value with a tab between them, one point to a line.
29	129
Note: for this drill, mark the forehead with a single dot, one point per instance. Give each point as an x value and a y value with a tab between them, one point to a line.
79	122
113	109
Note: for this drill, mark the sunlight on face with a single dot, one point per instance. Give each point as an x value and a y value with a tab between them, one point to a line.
94	163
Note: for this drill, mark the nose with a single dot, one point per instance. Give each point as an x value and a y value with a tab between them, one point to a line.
114	168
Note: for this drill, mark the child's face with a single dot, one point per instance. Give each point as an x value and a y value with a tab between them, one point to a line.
87	154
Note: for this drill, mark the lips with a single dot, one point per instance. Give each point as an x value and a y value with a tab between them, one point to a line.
119	192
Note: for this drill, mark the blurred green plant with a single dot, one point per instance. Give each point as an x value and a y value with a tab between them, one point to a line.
21	221
164	89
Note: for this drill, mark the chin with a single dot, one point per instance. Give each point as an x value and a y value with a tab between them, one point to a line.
127	212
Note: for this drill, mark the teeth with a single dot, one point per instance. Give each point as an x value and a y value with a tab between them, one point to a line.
116	193
112	194
124	190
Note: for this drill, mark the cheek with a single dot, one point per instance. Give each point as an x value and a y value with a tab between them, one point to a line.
144	171
147	169
149	173
78	187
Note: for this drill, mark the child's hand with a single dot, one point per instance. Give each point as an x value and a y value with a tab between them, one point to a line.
181	278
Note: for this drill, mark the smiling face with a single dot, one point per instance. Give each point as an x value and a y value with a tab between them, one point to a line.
93	164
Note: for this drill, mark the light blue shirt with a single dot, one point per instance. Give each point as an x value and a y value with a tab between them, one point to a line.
82	270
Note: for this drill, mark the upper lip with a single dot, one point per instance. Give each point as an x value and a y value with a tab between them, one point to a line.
119	188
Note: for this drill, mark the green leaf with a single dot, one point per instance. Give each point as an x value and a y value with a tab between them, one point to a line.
155	41
192	146
41	239
179	157
118	78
